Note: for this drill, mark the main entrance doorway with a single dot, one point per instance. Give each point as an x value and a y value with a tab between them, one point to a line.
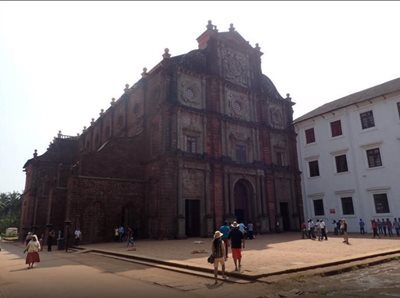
192	214
242	194
284	207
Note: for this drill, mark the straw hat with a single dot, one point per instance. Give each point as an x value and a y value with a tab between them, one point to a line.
217	234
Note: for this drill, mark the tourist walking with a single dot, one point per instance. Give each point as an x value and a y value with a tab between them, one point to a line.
237	241
250	230
389	226
121	232
362	225
323	230
396	226
225	229
380	229
343	229
130	239
374	226
32	248
218	251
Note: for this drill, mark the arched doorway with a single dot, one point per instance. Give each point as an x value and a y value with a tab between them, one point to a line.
243	193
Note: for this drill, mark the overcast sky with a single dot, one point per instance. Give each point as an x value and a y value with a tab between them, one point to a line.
62	62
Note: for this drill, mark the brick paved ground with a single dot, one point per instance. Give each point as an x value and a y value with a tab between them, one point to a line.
264	255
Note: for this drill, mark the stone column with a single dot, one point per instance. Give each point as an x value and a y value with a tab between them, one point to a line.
181	233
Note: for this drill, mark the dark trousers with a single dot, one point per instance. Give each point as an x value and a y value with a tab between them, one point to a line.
226	246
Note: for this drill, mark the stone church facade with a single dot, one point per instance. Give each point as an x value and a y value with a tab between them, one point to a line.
202	138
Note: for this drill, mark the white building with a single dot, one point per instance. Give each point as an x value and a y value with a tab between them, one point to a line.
349	155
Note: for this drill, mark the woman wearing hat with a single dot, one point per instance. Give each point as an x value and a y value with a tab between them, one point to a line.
218	251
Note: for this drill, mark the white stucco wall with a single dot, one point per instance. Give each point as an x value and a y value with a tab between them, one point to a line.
360	182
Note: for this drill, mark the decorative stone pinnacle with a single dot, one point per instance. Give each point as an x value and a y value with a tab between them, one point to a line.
112	101
257	47
91	122
166	54
144	73
35	153
84	129
78	134
59	134
288	96
126	87
101	112
209	26
231	28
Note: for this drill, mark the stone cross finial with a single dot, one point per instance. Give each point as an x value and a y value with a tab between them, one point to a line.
91	122
144	73
112	101
166	54
126	87
231	28
101	112
35	153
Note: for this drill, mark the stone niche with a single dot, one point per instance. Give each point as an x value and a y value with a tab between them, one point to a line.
135	113
190	91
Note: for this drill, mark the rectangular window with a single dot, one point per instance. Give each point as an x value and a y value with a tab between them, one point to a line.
398	108
314	169
336	128
191	144
240	152
341	163
381	203
280	158
319	207
310	136
347	205
374	158
367	120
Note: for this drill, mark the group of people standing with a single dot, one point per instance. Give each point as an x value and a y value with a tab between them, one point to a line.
318	230
121	235
233	236
385	227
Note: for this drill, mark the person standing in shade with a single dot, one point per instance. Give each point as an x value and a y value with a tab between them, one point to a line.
237	241
218	251
50	239
250	230
78	236
224	229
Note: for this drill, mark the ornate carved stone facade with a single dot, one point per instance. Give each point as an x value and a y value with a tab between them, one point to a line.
202	138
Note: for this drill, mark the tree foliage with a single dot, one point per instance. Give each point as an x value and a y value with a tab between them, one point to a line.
10	210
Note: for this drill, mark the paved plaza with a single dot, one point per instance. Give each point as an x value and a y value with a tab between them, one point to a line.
266	255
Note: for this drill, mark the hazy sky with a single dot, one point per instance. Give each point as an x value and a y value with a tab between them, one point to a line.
62	62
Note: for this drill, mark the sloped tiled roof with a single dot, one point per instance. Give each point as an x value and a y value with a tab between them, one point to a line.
379	90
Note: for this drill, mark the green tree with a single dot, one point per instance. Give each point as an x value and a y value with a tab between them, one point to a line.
10	210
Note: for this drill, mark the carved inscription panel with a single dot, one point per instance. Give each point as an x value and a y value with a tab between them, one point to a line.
235	66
